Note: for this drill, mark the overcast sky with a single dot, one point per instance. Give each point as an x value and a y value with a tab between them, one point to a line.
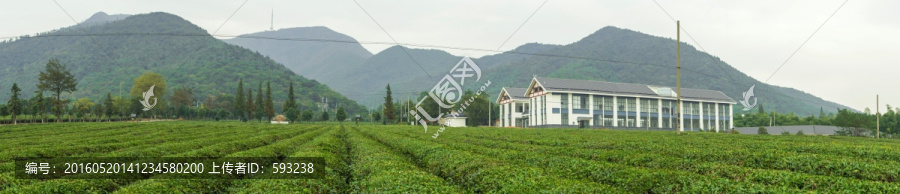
852	58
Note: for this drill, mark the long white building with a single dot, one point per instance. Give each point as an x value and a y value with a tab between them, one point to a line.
557	102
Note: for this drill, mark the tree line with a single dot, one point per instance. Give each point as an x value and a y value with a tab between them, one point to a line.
396	111
851	122
57	80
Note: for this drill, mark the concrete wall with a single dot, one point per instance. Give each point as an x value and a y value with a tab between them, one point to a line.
807	129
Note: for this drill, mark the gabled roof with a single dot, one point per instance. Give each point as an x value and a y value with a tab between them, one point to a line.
556	84
513	93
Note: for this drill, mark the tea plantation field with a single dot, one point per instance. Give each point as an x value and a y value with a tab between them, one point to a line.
391	159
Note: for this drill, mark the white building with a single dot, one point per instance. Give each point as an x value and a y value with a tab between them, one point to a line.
513	107
458	121
595	104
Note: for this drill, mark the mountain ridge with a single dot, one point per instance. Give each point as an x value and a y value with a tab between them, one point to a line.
108	58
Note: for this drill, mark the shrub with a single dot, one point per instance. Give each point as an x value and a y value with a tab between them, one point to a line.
762	131
800	132
735	131
785	133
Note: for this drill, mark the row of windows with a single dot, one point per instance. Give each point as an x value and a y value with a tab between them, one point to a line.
605	103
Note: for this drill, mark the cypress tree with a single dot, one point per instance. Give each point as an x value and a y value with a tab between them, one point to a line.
110	108
251	106
259	102
239	100
389	114
270	109
14	105
290	103
39	104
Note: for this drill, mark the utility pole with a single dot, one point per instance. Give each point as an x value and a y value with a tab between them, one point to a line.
877	118
272	25
678	76
407	109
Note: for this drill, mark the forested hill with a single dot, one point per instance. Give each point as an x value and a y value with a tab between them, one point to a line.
116	52
622	55
298	50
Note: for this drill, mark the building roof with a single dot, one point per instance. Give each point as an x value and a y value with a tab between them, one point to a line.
552	84
513	93
516	93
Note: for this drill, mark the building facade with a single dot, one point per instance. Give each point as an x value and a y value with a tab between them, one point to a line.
513	107
557	102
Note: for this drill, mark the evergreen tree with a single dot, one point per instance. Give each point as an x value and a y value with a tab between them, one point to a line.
14	106
38	105
259	103
341	115
290	103
251	106
110	107
239	100
56	78
307	115
291	114
324	116
761	111
389	114
270	109
376	116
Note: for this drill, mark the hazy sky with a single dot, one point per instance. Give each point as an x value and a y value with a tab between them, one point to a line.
848	61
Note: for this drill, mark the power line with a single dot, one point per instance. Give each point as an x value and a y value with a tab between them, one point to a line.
807	40
715	62
92	39
388	43
731	77
523	24
374	42
183	61
392	38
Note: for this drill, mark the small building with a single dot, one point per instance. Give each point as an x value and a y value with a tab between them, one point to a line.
557	102
513	107
454	121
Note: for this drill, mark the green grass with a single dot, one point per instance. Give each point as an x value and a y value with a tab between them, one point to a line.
397	158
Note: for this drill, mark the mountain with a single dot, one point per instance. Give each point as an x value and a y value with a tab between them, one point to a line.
609	54
101	18
118	51
301	50
621	55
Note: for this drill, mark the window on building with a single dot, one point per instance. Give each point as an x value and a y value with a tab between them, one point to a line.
579	102
564	119
584	102
607	104
564	101
620	102
607	120
695	108
542	108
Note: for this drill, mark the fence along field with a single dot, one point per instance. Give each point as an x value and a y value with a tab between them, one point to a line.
378	158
